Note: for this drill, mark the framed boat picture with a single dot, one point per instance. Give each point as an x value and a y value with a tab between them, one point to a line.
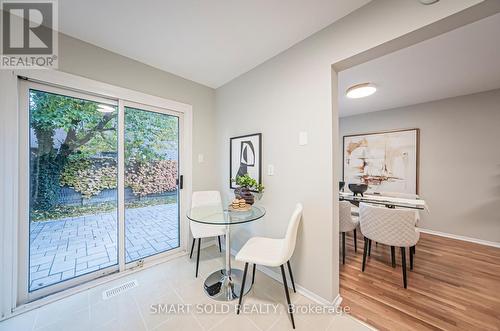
245	157
386	161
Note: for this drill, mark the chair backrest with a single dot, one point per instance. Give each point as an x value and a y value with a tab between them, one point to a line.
205	198
291	232
345	217
393	227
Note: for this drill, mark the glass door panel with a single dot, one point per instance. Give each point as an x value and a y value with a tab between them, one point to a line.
72	187
151	146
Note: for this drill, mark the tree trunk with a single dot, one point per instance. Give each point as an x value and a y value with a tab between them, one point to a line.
47	172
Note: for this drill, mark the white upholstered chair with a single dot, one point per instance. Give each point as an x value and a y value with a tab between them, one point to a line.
392	227
198	230
272	253
347	223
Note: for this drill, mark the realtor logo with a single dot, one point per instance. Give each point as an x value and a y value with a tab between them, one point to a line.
29	34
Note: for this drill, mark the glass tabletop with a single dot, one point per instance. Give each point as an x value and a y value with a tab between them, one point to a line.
217	215
385	200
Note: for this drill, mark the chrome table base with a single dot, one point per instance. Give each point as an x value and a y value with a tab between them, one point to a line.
220	287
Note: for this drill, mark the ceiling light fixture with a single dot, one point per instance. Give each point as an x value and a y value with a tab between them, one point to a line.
360	90
428	2
105	108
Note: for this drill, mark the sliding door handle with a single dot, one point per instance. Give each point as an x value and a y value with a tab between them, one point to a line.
180	182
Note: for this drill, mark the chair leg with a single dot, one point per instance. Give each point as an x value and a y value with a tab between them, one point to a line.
393	256
291	276
411	257
365	250
220	248
403	265
369	247
242	288
343	247
192	248
287	295
355	242
253	274
198	257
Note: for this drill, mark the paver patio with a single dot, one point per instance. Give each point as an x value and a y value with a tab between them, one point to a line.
65	248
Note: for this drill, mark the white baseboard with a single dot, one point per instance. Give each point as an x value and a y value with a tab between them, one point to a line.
463	238
305	292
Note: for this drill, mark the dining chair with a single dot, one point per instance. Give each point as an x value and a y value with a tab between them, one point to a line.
347	223
198	230
392	227
272	253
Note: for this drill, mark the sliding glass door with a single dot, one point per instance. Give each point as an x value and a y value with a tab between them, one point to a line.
99	187
151	190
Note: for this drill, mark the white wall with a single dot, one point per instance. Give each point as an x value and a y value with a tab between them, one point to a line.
290	93
459	159
8	190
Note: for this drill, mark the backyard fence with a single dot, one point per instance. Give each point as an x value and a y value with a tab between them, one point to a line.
70	197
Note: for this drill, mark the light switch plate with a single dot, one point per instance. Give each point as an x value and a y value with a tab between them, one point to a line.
201	158
302	138
270	170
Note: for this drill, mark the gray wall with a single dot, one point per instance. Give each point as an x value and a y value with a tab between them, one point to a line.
292	92
86	60
459	159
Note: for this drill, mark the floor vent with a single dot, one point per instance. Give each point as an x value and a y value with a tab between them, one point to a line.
117	290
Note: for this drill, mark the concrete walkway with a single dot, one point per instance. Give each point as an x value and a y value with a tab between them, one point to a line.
66	248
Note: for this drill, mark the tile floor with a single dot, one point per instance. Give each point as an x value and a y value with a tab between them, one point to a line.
67	248
173	282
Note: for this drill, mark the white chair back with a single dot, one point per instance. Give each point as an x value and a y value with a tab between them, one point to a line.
291	232
393	227
205	198
345	218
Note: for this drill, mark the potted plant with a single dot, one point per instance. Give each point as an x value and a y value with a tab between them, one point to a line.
247	185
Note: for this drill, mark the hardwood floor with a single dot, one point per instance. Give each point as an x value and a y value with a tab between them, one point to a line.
455	285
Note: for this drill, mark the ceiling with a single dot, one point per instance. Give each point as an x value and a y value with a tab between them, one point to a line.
207	41
460	62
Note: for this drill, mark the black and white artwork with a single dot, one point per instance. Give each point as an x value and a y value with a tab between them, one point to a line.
245	157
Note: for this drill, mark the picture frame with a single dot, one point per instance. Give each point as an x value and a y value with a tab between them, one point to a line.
404	145
245	156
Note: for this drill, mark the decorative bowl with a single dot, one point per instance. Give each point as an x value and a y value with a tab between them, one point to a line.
358	189
244	193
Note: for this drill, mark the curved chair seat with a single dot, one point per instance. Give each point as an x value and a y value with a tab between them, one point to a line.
392	227
199	230
263	251
272	253
347	223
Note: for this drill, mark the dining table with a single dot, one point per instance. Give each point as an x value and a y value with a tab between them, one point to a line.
225	284
385	200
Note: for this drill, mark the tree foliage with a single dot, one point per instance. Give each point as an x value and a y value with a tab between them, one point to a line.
148	135
72	129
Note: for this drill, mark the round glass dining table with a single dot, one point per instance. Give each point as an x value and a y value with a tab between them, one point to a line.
225	284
